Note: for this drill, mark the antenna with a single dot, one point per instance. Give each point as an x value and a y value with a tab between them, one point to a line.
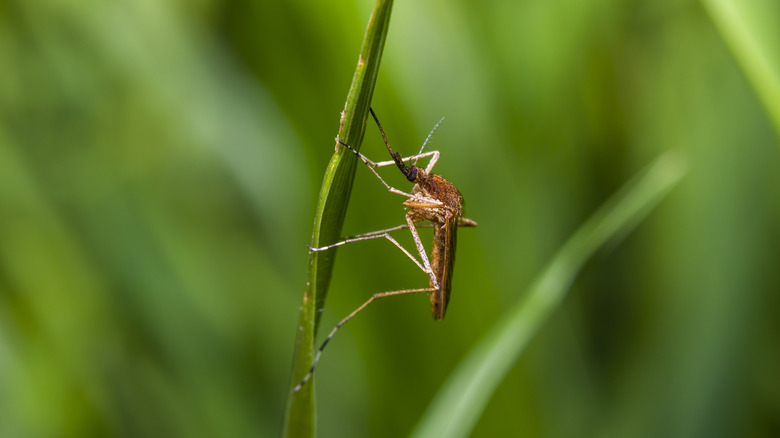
428	138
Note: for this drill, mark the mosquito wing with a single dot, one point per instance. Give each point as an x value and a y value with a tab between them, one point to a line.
445	235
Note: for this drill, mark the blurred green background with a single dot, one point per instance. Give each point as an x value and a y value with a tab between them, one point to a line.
159	166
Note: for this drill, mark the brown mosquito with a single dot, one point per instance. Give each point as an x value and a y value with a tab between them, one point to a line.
433	199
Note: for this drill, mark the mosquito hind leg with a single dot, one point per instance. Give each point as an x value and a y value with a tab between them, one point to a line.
374	297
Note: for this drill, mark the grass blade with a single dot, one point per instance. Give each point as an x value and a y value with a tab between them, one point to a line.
750	30
329	218
459	404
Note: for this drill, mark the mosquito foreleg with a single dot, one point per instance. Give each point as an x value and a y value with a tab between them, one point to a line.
433	154
372	167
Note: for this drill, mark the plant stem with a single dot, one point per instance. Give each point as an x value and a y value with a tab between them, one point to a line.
329	218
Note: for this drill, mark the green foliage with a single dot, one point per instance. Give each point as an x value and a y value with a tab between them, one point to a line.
159	169
751	32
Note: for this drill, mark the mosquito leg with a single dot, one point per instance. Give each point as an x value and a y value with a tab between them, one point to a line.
466	222
431	163
359	237
421	250
343	321
434	159
377	235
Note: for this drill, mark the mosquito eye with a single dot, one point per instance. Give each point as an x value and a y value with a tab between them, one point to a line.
412	174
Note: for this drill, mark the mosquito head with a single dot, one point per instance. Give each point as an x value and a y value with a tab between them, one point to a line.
416	174
412	173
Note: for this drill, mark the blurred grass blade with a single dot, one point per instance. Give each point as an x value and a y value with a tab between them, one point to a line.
329	218
459	404
750	30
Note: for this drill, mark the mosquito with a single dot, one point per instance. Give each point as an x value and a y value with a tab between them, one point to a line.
433	199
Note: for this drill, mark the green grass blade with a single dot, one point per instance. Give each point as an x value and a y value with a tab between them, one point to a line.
750	29
329	218
459	404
